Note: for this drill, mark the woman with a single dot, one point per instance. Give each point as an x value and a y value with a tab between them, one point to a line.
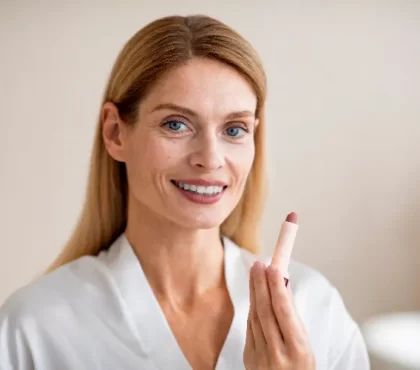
155	275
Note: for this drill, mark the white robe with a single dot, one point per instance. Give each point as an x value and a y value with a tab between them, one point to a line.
101	313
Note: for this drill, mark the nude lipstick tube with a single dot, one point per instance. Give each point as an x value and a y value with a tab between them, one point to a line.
284	246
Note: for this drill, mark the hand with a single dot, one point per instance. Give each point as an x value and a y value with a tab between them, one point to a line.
275	338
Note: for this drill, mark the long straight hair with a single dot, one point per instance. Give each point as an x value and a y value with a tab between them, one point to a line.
155	49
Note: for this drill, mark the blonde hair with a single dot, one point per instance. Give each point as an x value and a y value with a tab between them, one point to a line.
152	51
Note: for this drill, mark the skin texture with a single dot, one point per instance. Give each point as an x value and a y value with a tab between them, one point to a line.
197	123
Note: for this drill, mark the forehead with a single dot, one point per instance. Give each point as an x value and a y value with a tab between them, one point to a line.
206	86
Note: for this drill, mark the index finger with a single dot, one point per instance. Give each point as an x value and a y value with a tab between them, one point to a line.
284	245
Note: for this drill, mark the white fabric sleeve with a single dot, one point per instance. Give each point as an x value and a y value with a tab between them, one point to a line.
14	350
355	356
347	347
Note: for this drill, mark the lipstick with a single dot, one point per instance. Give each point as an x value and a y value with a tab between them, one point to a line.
284	245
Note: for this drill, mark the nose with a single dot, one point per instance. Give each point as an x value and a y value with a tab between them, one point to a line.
208	154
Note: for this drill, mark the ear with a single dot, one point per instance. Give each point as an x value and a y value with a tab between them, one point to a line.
112	131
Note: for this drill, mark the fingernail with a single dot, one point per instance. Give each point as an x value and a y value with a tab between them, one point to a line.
258	265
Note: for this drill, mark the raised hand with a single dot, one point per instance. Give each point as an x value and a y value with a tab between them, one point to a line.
276	338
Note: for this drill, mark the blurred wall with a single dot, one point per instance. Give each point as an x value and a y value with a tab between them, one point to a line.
343	130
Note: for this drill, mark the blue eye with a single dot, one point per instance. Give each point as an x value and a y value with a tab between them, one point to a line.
176	126
235	131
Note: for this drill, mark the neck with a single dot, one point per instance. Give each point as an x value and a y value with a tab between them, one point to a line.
180	264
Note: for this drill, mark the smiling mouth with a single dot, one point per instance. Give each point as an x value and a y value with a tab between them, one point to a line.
209	191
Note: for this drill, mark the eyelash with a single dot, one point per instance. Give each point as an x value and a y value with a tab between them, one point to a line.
168	122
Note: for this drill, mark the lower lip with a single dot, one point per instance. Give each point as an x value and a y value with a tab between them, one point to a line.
201	199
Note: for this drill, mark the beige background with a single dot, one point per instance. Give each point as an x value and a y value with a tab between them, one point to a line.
343	117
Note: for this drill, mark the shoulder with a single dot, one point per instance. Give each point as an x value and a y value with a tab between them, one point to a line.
305	281
314	295
57	285
59	293
331	329
43	309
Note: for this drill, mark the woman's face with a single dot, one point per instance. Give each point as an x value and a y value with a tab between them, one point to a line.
190	152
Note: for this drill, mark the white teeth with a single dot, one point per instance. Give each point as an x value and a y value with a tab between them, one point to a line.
203	190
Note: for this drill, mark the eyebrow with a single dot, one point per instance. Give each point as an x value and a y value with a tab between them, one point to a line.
184	110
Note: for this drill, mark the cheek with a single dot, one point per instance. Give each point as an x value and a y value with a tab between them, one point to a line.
150	156
241	159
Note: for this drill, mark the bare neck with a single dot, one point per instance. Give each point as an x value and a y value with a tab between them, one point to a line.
180	264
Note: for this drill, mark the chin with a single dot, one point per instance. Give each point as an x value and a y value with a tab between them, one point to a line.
200	220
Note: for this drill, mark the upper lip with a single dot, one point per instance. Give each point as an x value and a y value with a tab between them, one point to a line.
201	182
